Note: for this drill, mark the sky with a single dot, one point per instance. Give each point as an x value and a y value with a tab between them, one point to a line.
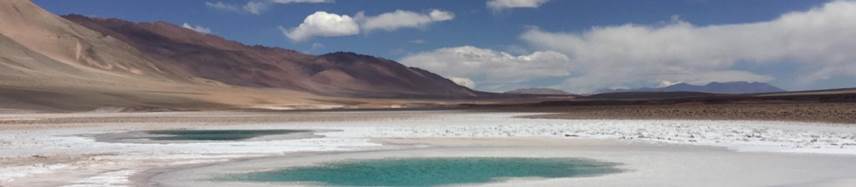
580	46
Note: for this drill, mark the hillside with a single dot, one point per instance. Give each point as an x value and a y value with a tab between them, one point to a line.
335	74
76	63
52	63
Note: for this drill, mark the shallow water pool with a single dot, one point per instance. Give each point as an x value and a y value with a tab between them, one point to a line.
216	135
430	171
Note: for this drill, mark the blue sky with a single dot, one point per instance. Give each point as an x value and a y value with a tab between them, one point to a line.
520	35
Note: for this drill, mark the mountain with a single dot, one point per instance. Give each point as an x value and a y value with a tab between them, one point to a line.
38	42
52	63
738	87
537	91
215	58
47	62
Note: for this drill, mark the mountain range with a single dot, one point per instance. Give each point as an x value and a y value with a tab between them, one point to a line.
737	87
79	63
212	57
73	62
537	91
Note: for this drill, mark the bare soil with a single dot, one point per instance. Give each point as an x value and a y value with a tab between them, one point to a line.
810	112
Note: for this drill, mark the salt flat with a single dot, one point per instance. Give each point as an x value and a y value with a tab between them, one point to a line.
67	155
644	164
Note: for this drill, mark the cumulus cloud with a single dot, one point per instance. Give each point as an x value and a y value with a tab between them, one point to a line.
197	28
402	19
507	4
822	40
258	7
398	19
324	24
489	69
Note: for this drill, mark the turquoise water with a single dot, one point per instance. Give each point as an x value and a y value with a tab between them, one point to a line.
430	171
216	135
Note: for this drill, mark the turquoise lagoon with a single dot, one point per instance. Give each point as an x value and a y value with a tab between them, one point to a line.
216	135
429	171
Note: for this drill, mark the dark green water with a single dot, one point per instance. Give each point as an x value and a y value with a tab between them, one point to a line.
216	135
431	171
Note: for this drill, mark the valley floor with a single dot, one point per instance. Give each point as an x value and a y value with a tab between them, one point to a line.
832	112
60	149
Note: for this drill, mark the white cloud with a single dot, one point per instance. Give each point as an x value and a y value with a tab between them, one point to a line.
258	7
219	5
507	4
317	46
196	28
667	83
822	40
301	1
489	69
398	19
465	82
323	24
440	15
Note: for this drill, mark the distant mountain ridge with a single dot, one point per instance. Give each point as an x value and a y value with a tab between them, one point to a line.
737	87
537	91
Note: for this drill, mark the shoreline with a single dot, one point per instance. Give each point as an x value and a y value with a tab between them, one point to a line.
153	178
809	112
61	154
632	158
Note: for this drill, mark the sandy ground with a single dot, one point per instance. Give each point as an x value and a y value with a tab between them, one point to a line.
656	152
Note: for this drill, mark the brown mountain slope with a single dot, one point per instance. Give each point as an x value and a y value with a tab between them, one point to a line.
335	74
48	63
30	33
